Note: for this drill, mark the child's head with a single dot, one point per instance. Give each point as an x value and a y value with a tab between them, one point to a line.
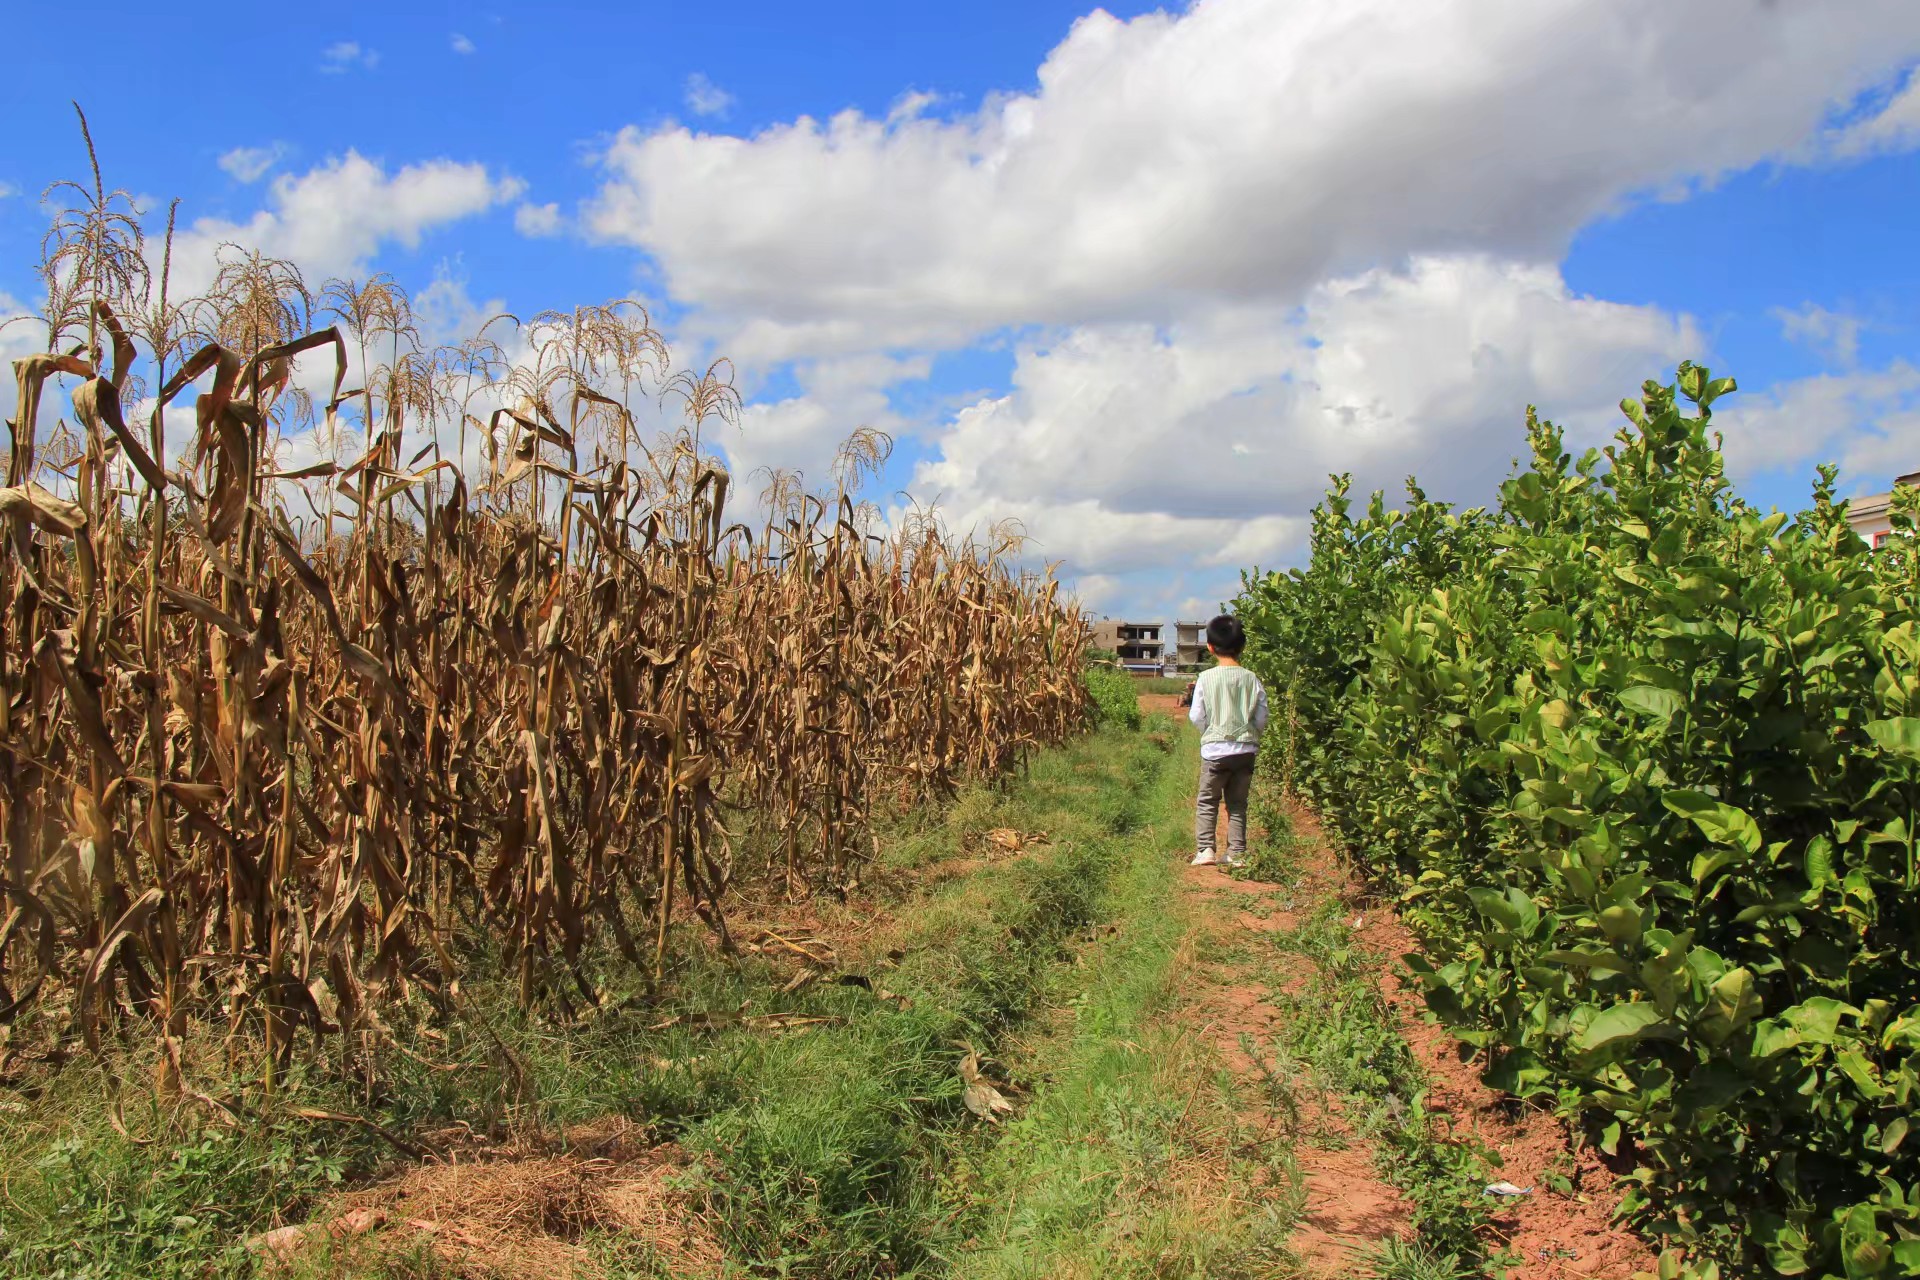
1226	637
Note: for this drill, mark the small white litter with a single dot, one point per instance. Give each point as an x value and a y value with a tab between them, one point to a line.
1506	1190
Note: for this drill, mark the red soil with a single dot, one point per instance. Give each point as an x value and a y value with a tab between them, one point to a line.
1557	1235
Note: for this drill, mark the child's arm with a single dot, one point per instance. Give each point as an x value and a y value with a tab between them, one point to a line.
1260	710
1198	712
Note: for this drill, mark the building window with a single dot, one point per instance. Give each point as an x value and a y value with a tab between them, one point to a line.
1880	538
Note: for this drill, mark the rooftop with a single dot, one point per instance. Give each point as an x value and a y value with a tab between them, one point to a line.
1876	504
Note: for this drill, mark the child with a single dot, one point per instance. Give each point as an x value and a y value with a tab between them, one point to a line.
1230	707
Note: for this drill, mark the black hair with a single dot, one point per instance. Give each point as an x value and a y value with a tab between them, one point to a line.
1226	636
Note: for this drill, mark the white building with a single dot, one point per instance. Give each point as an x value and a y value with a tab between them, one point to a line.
1868	516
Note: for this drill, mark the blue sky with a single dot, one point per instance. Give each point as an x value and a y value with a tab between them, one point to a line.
1136	278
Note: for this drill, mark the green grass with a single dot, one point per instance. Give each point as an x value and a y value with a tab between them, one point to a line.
1161	684
828	1150
1113	1171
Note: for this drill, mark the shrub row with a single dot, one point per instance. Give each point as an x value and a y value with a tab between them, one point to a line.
1641	762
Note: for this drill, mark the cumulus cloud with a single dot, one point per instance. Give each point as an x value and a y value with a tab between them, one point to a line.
1238	149
1244	244
705	98
461	44
20	335
537	220
835	396
1129	446
332	218
250	164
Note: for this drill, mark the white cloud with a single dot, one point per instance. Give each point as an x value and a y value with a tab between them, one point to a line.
7	190
461	44
1239	149
804	431
334	217
1894	127
20	335
1246	244
705	98
537	220
1835	334
1867	421
250	164
347	55
1128	447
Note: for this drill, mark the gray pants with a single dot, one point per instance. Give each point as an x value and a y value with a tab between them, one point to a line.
1231	777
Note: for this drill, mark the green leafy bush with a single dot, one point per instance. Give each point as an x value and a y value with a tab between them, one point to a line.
1642	762
1115	700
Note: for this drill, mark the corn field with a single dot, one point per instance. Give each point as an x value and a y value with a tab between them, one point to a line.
283	736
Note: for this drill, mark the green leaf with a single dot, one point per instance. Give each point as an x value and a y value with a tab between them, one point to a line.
1662	704
1899	736
1816	1019
1731	1003
1711	1087
1819	862
1519	1073
1621	922
1705	864
1693	381
1813	1022
1513	910
1662	974
1864	1248
1589	960
1893	1135
1861	1073
1619	1022
1720	823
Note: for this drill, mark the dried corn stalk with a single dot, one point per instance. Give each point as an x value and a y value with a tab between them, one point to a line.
260	774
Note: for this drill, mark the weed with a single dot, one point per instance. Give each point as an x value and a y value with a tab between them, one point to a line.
1397	1259
1267	861
1277	1083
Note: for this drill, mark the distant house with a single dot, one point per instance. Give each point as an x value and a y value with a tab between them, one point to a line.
1189	644
1869	516
1136	643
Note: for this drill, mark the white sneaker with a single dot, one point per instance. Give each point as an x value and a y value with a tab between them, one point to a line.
1204	858
1231	861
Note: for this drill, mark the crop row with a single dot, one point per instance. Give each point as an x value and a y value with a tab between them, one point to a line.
511	684
1641	762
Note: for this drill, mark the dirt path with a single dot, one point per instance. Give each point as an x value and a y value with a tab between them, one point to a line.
1347	1210
1563	1230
